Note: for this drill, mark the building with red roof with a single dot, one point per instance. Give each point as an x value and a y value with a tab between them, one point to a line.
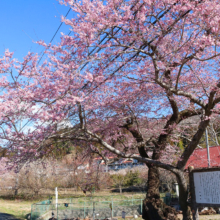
199	158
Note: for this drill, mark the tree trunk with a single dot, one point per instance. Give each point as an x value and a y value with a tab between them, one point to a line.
120	188
153	207
16	186
183	194
16	192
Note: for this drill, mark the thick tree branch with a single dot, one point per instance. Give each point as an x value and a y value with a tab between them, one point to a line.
192	145
134	156
181	93
81	119
187	113
201	129
141	143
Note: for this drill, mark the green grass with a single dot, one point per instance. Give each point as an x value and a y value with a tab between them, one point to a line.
21	207
17	208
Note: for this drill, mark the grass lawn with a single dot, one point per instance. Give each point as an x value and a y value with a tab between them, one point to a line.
15	207
20	208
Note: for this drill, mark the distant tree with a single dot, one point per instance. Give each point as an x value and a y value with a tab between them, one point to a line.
37	176
119	180
133	178
127	178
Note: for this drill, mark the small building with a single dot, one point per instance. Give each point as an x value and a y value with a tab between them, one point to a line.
199	158
119	164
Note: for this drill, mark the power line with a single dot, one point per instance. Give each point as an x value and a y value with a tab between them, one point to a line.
55	35
143	46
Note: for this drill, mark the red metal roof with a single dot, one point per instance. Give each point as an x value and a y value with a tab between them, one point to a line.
127	161
199	158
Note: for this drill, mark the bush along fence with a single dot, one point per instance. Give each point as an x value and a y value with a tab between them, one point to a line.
91	209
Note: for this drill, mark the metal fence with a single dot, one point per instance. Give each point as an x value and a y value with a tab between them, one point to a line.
91	209
41	208
172	200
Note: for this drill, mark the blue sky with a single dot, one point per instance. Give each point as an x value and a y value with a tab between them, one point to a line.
25	21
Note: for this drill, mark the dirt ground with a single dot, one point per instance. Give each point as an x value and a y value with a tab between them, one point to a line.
205	217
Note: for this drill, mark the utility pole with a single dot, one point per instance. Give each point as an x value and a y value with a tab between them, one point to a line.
207	146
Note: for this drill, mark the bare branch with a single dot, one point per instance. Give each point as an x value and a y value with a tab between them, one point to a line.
81	115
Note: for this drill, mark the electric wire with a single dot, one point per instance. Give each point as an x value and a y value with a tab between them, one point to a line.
55	34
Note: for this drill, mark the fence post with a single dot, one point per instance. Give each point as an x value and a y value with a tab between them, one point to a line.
93	213
141	206
57	211
132	200
112	208
31	210
84	211
56	195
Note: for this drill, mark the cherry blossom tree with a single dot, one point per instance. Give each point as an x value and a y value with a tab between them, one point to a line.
125	79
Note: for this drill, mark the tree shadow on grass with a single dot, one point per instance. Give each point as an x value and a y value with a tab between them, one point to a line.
4	216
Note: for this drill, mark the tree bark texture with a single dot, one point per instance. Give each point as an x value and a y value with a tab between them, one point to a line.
153	207
183	196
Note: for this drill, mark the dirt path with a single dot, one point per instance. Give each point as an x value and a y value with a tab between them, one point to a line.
205	217
4	216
